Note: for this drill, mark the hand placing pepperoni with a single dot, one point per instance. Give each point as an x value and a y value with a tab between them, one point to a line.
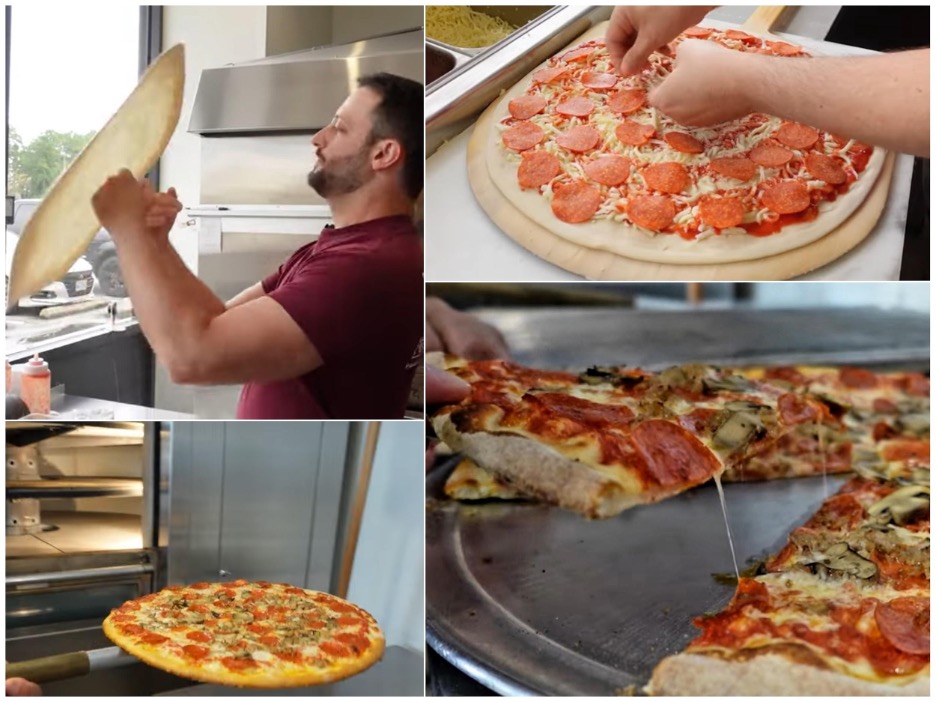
702	89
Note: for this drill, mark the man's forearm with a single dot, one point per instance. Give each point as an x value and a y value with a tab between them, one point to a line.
174	307
881	100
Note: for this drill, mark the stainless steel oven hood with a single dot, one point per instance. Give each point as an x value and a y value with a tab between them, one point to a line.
298	91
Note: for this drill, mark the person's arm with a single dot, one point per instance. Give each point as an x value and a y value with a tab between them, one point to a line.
254	292
461	333
191	331
881	100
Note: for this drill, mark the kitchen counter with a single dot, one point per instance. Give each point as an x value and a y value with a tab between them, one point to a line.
399	674
72	407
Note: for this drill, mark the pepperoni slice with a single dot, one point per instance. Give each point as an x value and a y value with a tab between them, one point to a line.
577	54
537	168
794	409
579	139
122	618
257	628
289	656
786	197
238	663
202	636
671	455
576	107
826	168
269	639
351	621
315	624
334	649
634	134
667	177
737	34
609	170
781	48
905	622
797	136
200	586
196	652
131	629
357	643
525	106
857	377
627	101
722	213
130	606
576	202
737	168
550	75
523	136
341	607
686	143
770	154
698	32
905	450
598	81
653	212
153	638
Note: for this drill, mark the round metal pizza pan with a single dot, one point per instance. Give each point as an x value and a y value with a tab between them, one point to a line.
530	599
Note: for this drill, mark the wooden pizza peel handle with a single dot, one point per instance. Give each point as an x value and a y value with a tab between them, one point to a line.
763	19
59	667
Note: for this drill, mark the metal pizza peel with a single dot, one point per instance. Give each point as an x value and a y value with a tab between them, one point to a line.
134	138
70	665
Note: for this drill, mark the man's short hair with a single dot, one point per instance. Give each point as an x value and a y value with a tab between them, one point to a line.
400	116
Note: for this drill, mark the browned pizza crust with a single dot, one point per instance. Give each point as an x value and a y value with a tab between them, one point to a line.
702	675
538	471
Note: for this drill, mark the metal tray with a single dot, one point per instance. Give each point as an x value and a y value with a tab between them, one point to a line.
530	599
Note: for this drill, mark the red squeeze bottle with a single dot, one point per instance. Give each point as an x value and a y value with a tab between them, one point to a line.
36	385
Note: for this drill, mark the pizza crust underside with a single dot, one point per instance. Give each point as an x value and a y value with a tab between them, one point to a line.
134	138
768	674
261	678
623	239
539	471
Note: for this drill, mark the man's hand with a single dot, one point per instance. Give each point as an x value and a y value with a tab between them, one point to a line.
636	32
708	85
442	388
20	687
125	206
461	333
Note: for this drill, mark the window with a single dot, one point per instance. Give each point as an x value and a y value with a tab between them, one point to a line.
70	68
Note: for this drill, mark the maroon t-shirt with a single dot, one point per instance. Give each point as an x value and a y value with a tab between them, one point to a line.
357	293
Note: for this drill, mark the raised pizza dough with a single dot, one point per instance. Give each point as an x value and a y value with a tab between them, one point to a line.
134	138
625	240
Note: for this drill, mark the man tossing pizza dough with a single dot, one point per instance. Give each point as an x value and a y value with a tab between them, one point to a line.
335	332
711	84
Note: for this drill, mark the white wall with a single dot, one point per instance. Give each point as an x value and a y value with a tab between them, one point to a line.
388	574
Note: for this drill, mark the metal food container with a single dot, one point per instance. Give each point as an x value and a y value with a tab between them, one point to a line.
459	84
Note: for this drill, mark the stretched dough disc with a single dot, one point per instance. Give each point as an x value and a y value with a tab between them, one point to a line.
134	138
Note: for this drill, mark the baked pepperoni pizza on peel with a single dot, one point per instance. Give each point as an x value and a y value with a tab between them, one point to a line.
248	634
842	609
577	149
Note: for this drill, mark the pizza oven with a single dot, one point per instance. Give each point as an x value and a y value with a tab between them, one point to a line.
99	514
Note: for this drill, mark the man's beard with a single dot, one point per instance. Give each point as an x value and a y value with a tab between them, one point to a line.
341	176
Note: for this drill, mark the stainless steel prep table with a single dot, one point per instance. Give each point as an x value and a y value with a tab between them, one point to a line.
531	599
465	245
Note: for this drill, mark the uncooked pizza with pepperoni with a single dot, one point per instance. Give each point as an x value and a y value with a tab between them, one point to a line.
578	149
248	634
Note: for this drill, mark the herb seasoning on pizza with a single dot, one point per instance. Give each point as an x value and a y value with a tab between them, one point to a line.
248	634
576	144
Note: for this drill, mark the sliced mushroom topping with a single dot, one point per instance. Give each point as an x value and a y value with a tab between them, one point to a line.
838	557
730	383
900	506
743	406
916	424
737	430
597	375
